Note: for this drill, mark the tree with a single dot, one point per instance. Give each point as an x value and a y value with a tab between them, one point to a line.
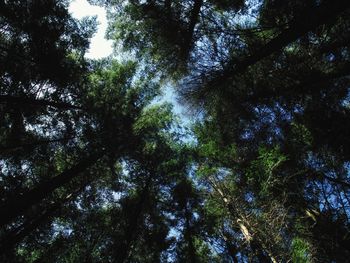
272	84
93	170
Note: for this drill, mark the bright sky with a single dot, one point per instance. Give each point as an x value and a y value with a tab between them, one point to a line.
99	47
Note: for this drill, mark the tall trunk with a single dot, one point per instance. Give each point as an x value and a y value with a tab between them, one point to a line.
37	102
188	39
259	252
247	236
167	5
17	205
316	79
312	82
17	129
257	246
17	235
189	236
9	241
123	249
22	146
308	21
232	250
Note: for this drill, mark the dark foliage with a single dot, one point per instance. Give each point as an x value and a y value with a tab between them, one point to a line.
93	170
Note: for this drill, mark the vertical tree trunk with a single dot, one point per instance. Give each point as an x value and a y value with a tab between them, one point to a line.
123	249
230	247
189	236
188	39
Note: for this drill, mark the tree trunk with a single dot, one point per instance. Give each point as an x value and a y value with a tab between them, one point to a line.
37	102
18	234
188	39
123	249
23	146
307	85
256	246
189	237
323	14
17	205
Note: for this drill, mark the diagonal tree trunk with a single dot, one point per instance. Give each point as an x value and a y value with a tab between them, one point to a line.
260	251
10	240
306	22
37	102
305	85
23	146
17	205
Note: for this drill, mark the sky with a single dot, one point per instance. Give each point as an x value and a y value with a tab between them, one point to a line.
99	47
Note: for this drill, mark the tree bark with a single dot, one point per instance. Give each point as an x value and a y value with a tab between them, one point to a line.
17	205
18	234
298	27
23	146
312	82
123	249
188	40
189	236
37	102
256	245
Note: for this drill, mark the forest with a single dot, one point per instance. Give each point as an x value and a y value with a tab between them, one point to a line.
93	168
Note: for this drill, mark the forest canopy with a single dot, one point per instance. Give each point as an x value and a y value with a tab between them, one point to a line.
94	169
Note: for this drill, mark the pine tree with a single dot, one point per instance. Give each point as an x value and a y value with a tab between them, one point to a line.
93	170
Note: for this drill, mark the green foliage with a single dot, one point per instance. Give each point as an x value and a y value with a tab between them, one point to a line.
154	118
262	172
300	251
93	170
301	135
